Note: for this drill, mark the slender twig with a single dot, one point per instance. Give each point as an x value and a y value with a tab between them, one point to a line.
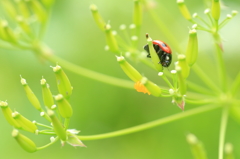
221	65
47	145
151	124
205	78
198	88
223	128
200	101
85	72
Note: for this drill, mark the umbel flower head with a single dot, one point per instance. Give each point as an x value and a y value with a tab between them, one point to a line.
28	20
56	127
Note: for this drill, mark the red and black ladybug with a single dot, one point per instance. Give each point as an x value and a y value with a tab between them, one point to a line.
163	51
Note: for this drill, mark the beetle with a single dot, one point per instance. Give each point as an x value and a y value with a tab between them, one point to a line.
163	51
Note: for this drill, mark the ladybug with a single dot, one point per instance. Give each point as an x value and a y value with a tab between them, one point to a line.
163	51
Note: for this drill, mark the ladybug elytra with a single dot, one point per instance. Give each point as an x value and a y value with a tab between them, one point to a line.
163	51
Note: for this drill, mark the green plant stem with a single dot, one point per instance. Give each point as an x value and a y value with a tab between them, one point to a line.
210	18
45	146
224	22
83	71
46	126
46	132
209	82
223	127
221	65
199	25
199	101
235	85
151	124
199	88
203	21
66	123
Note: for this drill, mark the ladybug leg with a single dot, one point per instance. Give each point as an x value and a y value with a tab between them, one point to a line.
146	48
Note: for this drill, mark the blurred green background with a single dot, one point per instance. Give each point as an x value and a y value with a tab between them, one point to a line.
100	108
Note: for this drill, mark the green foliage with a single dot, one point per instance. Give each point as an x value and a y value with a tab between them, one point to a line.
190	84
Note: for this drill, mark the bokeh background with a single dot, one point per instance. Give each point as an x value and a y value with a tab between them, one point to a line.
100	108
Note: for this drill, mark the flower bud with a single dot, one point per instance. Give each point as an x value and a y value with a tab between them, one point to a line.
184	10
181	81
179	100
122	27
234	13
7	112
63	83
31	96
111	40
206	11
216	10
39	11
58	127
192	48
196	147
97	17
47	94
129	70
184	66
151	87
64	106
43	114
154	55
74	141
137	14
26	143
24	122
228	149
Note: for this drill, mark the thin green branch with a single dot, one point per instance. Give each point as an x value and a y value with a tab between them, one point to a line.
47	145
223	128
203	21
151	124
43	125
236	85
221	65
199	26
83	71
46	132
205	78
199	88
66	123
200	101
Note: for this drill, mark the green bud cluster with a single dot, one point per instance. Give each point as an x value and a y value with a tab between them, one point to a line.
213	15
196	146
115	42
184	10
24	15
51	114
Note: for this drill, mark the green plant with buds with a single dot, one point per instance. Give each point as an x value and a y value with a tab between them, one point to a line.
53	113
31	17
